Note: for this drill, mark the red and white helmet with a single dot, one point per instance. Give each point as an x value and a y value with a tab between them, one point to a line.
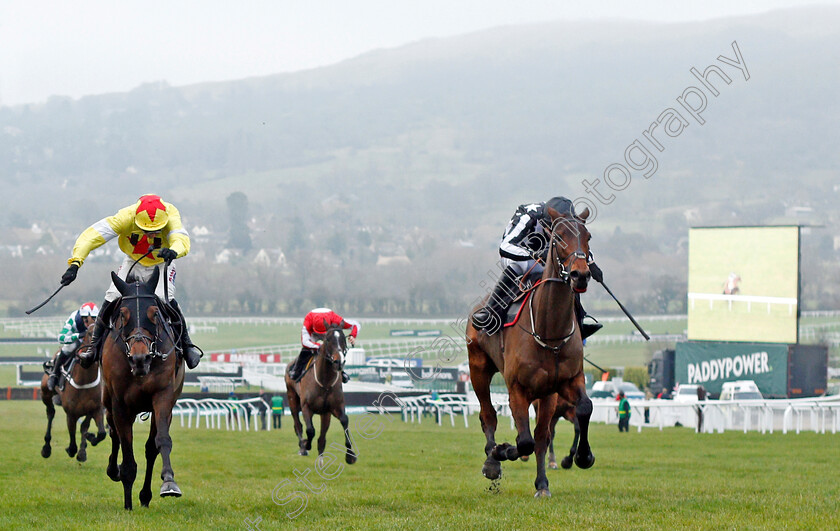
89	309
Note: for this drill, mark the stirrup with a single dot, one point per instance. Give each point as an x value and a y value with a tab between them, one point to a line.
87	357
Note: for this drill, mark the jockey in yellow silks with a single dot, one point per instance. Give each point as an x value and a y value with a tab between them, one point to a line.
150	233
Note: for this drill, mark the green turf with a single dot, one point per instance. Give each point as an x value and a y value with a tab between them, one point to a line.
428	477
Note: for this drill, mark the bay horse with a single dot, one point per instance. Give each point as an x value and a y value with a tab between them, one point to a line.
143	372
541	358
320	392
81	398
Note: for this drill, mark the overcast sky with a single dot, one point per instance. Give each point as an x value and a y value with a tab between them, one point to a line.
80	47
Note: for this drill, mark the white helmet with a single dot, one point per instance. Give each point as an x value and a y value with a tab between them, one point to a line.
89	309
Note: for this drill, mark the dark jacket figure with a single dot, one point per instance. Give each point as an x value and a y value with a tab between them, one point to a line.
623	412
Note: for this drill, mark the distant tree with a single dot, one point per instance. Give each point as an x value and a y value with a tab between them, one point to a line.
240	237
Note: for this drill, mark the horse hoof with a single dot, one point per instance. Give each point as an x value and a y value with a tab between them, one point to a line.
512	454
499	452
145	498
46	451
113	472
71	451
169	488
351	459
542	493
553	465
526	447
81	457
585	462
303	452
566	463
492	469
525	457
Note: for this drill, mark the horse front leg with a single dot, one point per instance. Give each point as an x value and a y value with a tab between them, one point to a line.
46	397
151	457
83	439
113	470
350	455
325	425
525	443
71	429
294	410
163	442
310	428
545	415
481	375
128	466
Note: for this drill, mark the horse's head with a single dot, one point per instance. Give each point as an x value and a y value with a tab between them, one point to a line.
568	256
334	347
137	321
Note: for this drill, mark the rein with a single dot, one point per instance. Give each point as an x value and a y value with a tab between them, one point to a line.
338	365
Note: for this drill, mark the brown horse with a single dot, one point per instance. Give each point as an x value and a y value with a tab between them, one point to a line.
81	398
566	411
541	358
320	392
143	372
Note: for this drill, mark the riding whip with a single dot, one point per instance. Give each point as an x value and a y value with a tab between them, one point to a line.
598	275
46	301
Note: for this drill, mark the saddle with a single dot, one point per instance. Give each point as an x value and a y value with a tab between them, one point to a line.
63	372
515	308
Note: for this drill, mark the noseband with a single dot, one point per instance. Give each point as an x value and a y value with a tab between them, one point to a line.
338	365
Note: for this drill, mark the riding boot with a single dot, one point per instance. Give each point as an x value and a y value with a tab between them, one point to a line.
490	318
586	329
60	359
297	368
192	354
89	355
344	377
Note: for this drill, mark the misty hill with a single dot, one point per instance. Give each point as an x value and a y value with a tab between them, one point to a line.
448	135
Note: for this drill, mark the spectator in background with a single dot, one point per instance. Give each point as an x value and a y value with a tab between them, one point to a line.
277	411
701	396
648	396
623	412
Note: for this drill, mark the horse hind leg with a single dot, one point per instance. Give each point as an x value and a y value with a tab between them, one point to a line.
545	417
100	434
71	428
83	434
151	456
46	450
583	411
567	461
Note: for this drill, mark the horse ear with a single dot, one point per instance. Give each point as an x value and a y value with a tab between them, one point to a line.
326	325
153	281
121	286
583	215
553	213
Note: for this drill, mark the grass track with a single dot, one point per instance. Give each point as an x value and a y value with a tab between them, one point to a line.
428	477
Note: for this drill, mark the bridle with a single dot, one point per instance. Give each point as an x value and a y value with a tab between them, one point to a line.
338	365
564	277
127	342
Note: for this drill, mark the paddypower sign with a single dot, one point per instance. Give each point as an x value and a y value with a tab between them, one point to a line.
710	364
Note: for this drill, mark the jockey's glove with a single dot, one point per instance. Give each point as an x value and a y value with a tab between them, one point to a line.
69	275
167	255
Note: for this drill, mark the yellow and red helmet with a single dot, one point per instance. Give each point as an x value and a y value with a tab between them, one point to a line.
151	213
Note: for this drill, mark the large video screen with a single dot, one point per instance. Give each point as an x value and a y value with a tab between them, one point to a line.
743	284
